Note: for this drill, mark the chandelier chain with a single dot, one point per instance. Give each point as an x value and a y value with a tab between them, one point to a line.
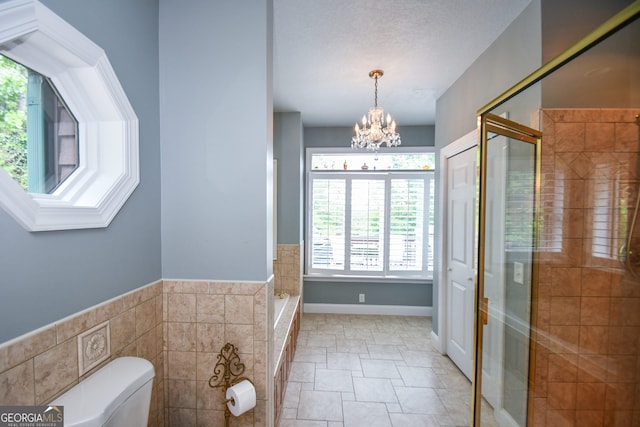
375	104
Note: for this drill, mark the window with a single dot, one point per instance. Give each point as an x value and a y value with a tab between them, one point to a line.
94	186
373	218
38	143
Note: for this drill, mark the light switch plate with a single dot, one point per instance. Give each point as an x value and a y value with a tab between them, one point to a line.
518	272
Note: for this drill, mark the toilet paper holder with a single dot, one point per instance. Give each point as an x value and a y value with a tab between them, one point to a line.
227	372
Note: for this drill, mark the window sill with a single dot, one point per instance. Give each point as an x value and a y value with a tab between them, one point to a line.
368	279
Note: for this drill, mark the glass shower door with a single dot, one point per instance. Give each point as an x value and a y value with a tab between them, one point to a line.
509	182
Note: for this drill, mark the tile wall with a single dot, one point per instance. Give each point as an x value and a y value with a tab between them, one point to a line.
41	365
200	318
180	326
287	269
587	365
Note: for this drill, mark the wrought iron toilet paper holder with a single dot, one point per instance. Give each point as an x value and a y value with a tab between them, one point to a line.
227	372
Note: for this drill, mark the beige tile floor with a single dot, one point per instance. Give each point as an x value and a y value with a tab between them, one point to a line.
369	371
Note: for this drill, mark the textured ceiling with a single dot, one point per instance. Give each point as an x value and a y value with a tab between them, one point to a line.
324	50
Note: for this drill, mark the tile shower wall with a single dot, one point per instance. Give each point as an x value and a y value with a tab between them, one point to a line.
200	317
287	268
43	364
587	364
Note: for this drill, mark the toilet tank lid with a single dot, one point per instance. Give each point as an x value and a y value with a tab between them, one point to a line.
99	396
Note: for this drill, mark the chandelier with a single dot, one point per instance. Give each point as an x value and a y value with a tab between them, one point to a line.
375	129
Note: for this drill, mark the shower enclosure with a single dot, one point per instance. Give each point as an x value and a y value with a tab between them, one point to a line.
558	286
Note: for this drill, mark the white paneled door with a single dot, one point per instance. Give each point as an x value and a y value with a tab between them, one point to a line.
460	234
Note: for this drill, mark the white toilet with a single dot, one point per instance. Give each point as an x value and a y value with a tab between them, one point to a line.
118	394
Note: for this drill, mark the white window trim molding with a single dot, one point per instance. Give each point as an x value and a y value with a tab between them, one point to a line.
326	275
109	170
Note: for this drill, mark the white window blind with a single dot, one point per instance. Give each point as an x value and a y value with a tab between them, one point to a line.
367	224
370	223
328	219
406	228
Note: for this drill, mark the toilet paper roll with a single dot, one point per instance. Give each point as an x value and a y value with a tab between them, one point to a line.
244	397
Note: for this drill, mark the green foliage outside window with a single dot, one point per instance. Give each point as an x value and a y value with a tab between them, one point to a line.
13	120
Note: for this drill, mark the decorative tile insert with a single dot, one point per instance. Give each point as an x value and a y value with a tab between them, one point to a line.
94	346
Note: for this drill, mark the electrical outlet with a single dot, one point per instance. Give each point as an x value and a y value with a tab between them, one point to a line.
518	272
361	298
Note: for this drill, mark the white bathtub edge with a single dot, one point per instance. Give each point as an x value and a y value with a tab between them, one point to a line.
279	310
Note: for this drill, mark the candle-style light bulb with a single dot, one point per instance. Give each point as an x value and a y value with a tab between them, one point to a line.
364	121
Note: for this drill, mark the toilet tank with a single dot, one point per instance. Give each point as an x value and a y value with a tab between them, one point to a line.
117	394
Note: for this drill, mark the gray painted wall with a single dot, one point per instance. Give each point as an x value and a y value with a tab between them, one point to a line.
543	30
608	69
330	292
565	22
289	151
46	276
409	294
39	271
514	54
216	134
341	136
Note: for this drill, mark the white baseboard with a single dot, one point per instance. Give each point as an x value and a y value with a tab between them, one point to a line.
393	310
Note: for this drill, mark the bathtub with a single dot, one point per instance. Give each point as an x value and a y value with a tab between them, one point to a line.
278	307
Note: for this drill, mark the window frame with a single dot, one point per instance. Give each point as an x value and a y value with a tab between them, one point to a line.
108	170
387	175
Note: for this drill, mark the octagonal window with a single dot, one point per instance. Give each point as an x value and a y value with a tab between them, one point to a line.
38	133
72	156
